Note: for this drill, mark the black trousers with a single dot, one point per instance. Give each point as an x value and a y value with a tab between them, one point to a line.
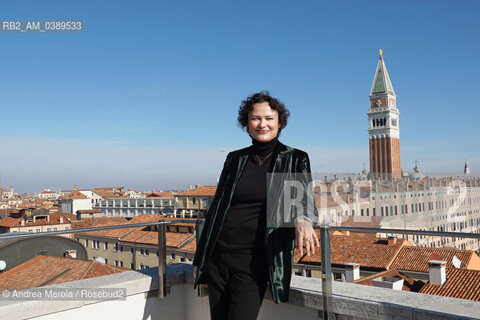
236	285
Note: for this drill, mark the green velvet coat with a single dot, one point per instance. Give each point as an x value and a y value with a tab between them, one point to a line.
279	241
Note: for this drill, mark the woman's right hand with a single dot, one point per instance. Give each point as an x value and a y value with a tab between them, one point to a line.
195	268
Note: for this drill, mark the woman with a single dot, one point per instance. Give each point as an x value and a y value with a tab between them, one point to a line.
238	254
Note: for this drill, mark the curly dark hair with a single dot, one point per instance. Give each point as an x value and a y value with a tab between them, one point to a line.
263	96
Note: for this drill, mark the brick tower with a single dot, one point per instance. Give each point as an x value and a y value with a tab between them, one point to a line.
383	127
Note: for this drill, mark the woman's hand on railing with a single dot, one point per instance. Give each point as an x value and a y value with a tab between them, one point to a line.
305	234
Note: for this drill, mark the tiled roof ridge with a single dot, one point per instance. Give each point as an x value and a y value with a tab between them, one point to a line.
473	256
394	256
128	232
141	235
55	277
187	241
87	269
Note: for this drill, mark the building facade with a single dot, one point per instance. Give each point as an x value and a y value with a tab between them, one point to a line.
132	207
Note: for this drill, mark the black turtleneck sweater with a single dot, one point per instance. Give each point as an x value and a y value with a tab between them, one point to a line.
244	226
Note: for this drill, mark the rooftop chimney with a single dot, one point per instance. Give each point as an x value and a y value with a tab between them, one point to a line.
391	240
436	272
352	272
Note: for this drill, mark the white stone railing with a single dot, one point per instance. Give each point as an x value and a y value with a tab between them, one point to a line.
349	301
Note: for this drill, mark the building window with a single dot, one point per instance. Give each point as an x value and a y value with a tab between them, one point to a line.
172	256
86	243
131	250
368	213
373	211
38	230
338	276
54	229
132	266
116	247
95	244
105	246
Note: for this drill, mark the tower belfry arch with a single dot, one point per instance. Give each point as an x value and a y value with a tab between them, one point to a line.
383	126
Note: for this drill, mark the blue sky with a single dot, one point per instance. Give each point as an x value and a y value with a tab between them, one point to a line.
147	96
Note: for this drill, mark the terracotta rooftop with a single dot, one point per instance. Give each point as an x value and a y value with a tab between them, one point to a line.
10	222
460	283
108	194
416	258
160	195
369	252
200	191
90	211
111	233
47	270
138	234
174	239
8	211
73	195
98	222
143	218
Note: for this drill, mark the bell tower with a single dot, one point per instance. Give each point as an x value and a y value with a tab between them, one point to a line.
383	126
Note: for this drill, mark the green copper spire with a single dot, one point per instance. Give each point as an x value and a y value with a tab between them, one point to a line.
381	82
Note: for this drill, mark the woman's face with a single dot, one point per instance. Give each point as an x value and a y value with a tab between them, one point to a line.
263	122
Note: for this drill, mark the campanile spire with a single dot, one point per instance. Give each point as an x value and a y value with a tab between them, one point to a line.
383	127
